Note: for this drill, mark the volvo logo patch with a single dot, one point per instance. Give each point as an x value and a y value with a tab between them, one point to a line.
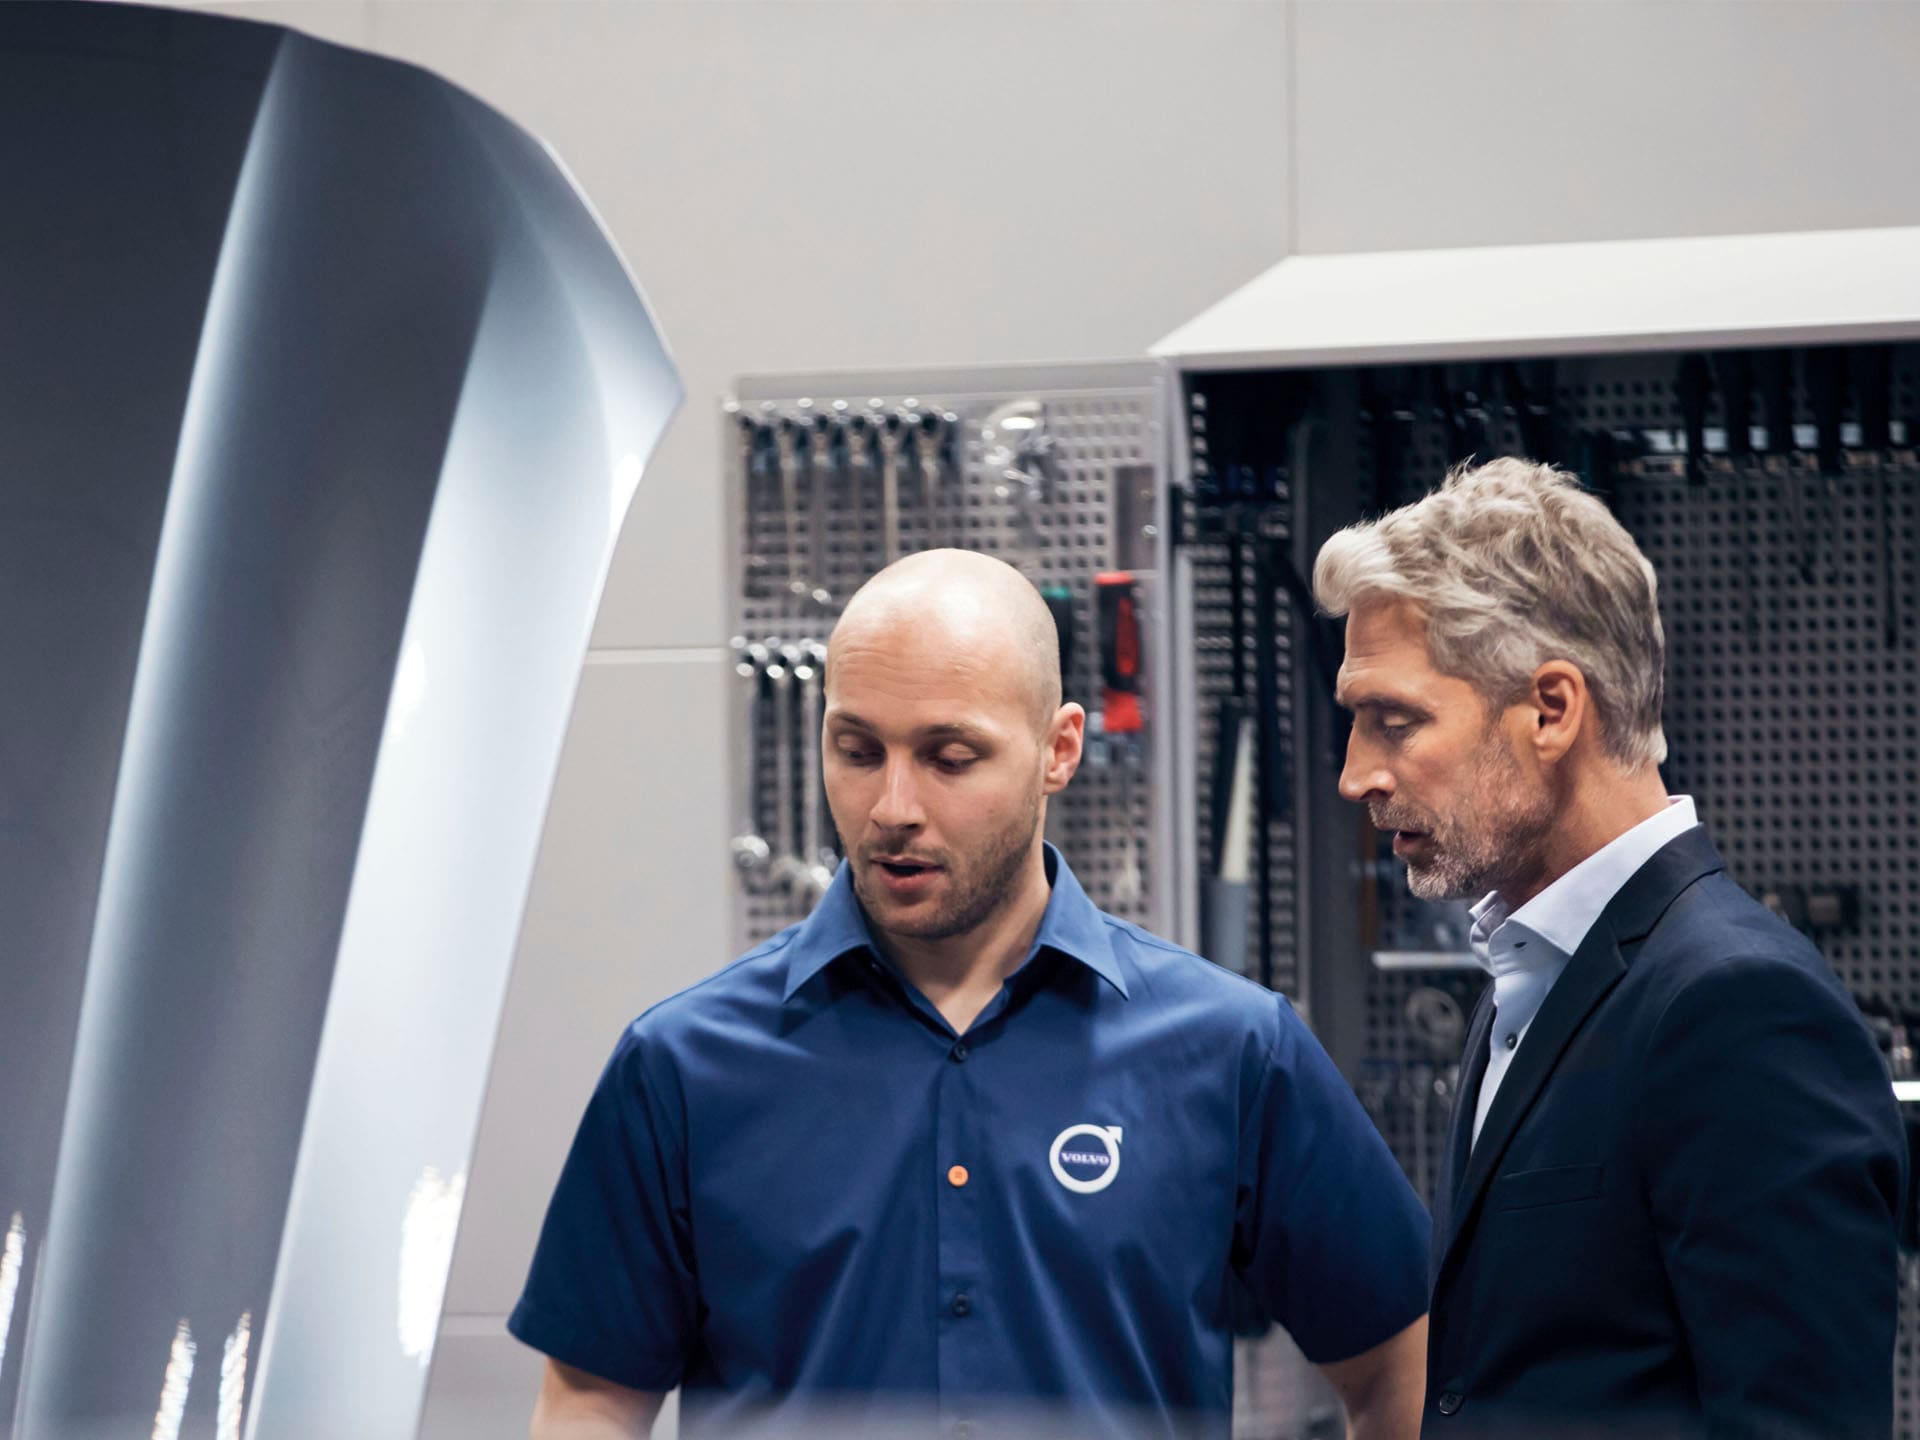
1085	1158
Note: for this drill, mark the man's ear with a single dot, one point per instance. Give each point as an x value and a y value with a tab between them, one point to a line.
1062	747
1562	706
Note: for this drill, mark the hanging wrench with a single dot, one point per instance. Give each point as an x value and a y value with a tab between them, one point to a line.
786	865
930	430
820	468
751	853
816	870
893	434
750	437
787	435
857	447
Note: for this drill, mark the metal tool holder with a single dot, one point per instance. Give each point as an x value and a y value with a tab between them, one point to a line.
1776	493
1058	470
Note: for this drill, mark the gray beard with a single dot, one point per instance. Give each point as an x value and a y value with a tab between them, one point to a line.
1481	845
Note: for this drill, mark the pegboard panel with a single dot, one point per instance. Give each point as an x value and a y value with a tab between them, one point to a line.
820	528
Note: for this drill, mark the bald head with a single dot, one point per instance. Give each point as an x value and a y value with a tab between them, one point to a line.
943	605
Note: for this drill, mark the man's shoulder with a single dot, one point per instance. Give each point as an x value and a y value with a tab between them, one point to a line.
1172	975
747	990
1716	937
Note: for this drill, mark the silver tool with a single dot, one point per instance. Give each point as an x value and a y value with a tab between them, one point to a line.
931	431
787	436
1017	459
893	434
815	873
786	864
751	853
820	467
857	448
750	437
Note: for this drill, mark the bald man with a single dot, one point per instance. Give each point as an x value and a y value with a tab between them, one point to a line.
960	1154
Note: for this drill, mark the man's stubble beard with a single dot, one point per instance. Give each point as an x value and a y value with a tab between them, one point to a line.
1497	836
974	892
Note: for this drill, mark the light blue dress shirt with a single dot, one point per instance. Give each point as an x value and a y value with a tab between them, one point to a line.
1526	950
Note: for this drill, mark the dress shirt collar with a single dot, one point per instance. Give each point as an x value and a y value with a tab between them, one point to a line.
1550	926
1072	925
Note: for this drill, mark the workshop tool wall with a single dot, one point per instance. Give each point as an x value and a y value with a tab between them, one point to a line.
1775	493
1057	472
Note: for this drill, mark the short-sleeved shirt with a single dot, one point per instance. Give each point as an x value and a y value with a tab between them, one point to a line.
796	1186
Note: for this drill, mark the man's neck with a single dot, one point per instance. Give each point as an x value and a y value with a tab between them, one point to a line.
962	973
1602	808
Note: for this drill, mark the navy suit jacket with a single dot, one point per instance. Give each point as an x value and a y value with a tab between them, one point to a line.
1681	1215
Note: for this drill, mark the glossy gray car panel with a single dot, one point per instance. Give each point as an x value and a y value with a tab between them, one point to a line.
333	397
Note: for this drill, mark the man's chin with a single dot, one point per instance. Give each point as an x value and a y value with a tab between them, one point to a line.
1430	883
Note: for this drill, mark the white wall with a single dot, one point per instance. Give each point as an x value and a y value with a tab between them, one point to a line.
815	184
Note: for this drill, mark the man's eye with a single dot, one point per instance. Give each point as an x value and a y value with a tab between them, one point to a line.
855	756
955	763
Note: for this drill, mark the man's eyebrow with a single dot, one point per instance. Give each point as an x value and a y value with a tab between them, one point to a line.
1374	700
950	730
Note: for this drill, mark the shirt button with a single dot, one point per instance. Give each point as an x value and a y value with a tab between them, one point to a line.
959	1051
1513	1039
957	1176
1449	1403
962	1306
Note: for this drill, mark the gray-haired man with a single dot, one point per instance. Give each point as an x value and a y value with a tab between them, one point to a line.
1669	1201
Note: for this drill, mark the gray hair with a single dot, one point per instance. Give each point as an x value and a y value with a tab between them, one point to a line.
1513	565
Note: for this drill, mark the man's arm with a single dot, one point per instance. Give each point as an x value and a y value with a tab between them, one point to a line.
1385	1388
574	1405
1772	1152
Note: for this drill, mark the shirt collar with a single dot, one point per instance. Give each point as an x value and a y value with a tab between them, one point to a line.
1072	925
1561	914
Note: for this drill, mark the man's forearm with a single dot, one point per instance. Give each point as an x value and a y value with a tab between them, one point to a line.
1385	1389
574	1405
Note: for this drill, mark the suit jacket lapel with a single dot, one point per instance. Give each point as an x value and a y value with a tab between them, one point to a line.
1596	967
1466	1097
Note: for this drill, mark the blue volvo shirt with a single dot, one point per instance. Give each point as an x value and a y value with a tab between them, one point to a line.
795	1186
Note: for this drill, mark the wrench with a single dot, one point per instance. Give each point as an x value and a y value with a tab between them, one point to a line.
787	434
820	467
786	866
751	853
751	438
815	874
858	429
930	429
893	433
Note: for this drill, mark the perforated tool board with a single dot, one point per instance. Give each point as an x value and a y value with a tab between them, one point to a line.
1095	513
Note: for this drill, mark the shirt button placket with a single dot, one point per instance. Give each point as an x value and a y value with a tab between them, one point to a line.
959	1182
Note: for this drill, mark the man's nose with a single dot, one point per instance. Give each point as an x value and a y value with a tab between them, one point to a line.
898	807
1363	778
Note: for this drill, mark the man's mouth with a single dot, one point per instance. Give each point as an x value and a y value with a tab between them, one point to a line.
1405	840
903	868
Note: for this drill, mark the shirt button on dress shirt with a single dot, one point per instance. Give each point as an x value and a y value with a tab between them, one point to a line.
962	1306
